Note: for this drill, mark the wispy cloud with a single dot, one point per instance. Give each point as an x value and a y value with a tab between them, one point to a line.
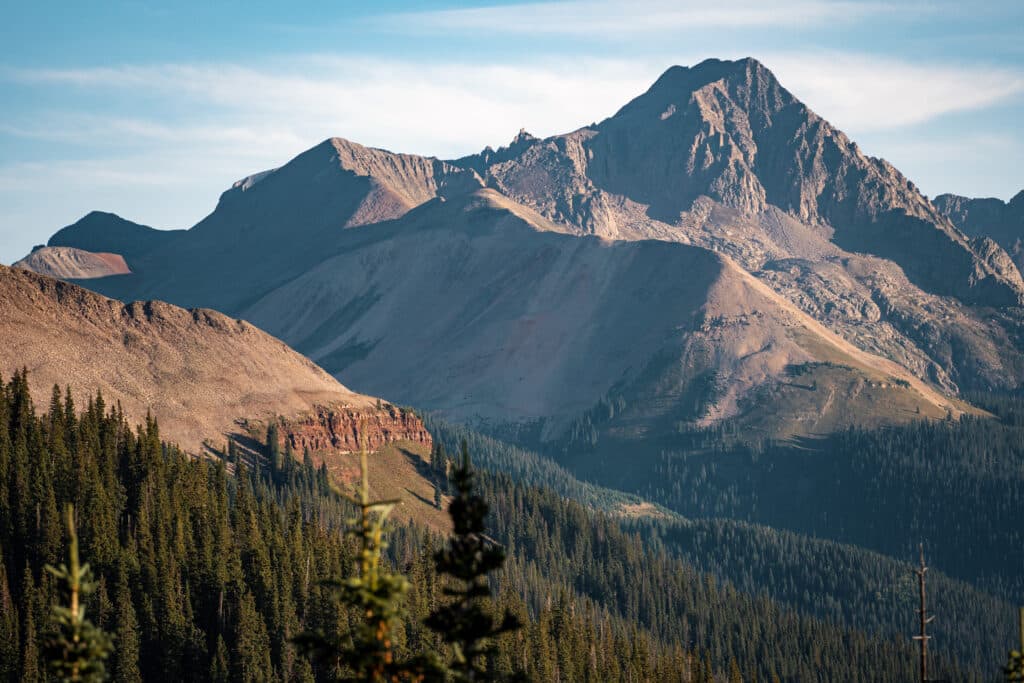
621	20
441	109
452	109
180	133
867	93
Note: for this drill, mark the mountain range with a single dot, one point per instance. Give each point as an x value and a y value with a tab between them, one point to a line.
709	325
715	251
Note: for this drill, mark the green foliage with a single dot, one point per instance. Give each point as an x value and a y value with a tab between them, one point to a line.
1015	666
376	594
466	623
75	650
956	484
214	558
126	654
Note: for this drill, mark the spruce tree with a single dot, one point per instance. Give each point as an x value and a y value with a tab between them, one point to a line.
29	652
252	644
1015	667
274	448
126	654
9	637
75	650
377	596
467	623
219	671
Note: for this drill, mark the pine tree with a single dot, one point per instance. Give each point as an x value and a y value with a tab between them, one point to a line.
75	650
1015	667
467	623
126	654
274	448
377	595
30	652
252	644
9	637
219	671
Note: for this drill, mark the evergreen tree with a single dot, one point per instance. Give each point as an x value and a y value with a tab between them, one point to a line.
377	595
219	671
126	654
274	448
75	650
1015	667
30	652
252	644
9	637
467	623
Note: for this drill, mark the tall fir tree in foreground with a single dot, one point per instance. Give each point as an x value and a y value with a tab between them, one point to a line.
75	650
467	623
378	596
1015	667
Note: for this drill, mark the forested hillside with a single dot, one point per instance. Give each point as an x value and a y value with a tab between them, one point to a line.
205	575
840	582
957	485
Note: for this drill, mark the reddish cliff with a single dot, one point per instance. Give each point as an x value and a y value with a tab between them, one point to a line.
337	428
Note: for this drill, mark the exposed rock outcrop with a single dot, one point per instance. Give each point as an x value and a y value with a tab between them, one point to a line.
990	217
343	429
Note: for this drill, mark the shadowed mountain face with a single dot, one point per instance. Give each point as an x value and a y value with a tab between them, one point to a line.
714	250
1000	221
102	232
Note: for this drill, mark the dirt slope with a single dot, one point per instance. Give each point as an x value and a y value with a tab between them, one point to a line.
469	307
68	263
198	371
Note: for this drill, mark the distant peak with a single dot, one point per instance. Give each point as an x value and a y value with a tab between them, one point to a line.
523	136
749	83
711	70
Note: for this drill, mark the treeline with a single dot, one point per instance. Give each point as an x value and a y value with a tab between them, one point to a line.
204	574
958	486
840	583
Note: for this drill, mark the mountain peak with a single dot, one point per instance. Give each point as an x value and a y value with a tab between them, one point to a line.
689	78
104	232
746	82
523	136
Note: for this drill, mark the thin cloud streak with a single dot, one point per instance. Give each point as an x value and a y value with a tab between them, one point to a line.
866	93
165	165
617	20
453	109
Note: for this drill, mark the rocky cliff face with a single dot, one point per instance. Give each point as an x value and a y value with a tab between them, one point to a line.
730	132
992	218
341	429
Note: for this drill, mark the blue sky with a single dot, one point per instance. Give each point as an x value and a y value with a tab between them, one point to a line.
151	112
